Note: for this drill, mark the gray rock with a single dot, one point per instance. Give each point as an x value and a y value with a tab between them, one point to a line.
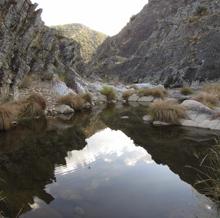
133	97
60	88
159	123
64	109
146	99
193	105
145	85
189	123
28	46
147	118
206	124
125	117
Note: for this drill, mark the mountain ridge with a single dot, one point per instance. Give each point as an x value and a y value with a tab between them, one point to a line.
88	38
172	42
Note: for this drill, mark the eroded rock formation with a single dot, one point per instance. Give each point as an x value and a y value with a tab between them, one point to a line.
170	41
28	46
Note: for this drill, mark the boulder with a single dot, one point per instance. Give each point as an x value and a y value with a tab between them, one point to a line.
61	89
64	109
145	85
197	107
159	123
133	97
190	123
147	118
146	99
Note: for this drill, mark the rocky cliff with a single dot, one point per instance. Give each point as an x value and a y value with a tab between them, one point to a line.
27	46
88	39
170	41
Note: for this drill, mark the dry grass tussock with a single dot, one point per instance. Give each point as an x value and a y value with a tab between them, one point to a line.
213	88
77	102
167	111
208	99
157	92
87	97
109	93
26	82
127	94
33	106
209	175
11	112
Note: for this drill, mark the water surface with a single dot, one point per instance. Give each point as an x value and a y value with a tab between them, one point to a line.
106	163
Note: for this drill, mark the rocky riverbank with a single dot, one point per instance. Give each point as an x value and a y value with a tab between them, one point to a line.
201	109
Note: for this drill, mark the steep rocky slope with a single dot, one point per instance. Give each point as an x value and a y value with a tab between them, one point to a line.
88	39
170	41
28	46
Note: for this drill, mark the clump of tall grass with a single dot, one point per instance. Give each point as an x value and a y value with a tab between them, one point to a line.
127	94
208	99
77	102
210	173
201	10
212	88
157	92
11	112
6	118
167	111
87	97
186	91
26	82
109	93
33	106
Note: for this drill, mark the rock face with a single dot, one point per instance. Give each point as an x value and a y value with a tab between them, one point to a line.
171	42
88	39
28	46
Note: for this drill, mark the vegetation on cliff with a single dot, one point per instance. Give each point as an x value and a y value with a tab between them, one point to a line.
88	39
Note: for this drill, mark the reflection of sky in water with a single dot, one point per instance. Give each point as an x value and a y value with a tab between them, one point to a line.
107	145
112	177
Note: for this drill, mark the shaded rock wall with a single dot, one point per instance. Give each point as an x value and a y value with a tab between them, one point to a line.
28	46
170	41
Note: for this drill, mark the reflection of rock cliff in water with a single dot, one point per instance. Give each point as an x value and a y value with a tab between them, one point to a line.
27	163
30	153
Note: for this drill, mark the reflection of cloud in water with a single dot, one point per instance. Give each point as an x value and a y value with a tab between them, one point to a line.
107	145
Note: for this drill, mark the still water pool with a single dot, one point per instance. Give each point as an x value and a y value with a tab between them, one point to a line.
104	164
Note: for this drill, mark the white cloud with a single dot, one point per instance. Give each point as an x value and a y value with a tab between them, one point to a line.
106	16
108	145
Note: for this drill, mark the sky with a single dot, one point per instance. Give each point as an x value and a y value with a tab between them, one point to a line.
108	17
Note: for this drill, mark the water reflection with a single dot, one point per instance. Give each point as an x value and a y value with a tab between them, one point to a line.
112	177
108	145
129	169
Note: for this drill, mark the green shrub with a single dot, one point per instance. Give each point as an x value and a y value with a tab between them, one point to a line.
109	93
201	10
186	91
